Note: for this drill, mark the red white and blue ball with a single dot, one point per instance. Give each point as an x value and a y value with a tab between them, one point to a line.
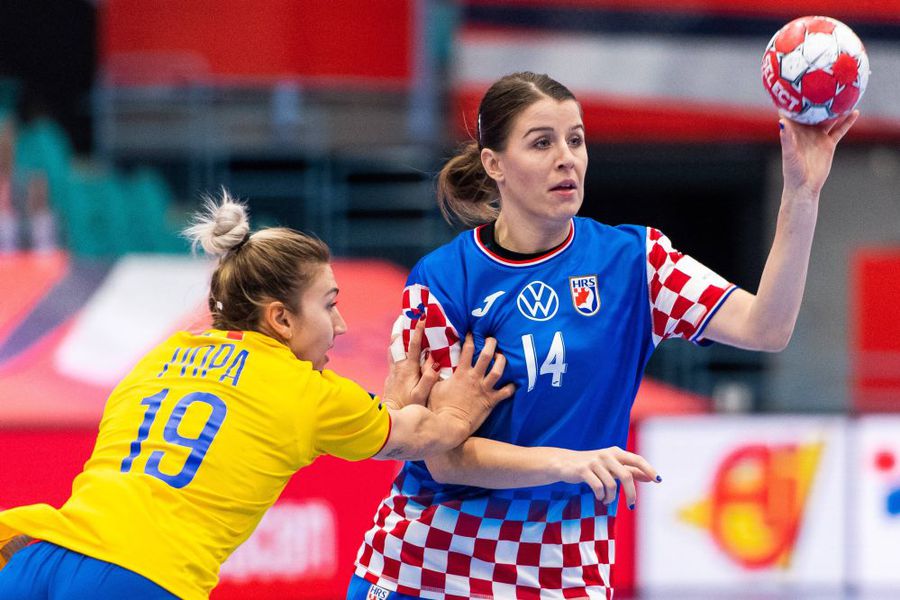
815	69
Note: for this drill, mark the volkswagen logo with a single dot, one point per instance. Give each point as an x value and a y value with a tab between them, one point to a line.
538	301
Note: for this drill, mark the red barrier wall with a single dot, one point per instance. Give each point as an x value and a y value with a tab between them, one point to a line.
875	336
338	40
887	10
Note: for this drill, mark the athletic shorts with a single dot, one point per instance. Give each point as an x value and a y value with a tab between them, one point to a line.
45	571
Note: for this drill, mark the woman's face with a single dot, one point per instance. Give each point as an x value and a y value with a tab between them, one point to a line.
318	321
540	173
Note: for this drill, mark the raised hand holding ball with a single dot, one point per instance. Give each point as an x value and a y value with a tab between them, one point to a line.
815	69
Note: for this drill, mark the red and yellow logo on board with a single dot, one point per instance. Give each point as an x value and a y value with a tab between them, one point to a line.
756	503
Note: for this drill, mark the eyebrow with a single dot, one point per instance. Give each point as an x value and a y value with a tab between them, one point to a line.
535	129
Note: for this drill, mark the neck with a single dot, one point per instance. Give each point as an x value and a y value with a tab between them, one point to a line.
529	237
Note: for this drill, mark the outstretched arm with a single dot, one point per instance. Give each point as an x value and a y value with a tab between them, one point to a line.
491	464
765	321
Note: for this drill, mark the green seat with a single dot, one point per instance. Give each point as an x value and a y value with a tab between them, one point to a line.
150	204
97	222
43	146
43	149
109	215
81	221
100	213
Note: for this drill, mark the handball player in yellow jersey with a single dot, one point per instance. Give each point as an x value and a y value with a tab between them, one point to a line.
199	440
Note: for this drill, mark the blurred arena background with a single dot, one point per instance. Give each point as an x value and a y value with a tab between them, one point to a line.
782	472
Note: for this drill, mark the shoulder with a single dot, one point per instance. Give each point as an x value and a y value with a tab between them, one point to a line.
611	236
592	228
328	379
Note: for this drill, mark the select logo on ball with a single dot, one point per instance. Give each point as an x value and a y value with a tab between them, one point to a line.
815	69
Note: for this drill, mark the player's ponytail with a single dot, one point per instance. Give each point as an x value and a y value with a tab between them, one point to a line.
275	263
466	193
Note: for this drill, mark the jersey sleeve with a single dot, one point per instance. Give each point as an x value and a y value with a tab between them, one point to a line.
427	298
350	423
684	294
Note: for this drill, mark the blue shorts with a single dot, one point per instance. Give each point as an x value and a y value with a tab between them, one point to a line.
360	589
45	571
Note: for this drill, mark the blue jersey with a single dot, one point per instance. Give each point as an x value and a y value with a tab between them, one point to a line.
577	326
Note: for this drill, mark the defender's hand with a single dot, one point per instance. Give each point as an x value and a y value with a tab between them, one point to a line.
408	382
469	393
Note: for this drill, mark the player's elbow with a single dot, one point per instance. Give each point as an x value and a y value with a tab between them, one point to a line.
442	469
779	345
439	473
775	339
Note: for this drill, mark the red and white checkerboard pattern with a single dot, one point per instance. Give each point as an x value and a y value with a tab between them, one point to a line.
439	551
684	294
441	339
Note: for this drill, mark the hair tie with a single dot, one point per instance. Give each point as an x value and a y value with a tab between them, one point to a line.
242	242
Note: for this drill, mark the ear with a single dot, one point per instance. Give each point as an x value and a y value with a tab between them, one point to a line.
277	319
490	160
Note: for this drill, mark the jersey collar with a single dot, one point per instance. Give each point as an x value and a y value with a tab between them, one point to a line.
536	260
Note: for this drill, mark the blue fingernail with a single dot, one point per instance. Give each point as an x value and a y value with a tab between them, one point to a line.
631	507
658	479
780	125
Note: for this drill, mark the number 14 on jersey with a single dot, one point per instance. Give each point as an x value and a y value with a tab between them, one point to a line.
554	364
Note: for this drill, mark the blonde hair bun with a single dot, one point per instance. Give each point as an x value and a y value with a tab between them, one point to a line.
222	225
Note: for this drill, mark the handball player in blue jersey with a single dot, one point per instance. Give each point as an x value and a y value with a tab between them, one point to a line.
577	308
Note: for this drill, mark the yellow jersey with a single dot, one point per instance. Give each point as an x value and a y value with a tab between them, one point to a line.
196	443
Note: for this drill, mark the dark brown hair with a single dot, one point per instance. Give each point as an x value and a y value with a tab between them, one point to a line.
466	194
275	263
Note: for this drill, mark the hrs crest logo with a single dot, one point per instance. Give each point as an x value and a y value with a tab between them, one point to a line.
538	301
585	294
377	593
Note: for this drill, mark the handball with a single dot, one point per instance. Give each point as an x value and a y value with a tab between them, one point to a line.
815	69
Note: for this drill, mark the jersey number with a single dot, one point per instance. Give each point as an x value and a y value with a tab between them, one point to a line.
554	364
198	445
